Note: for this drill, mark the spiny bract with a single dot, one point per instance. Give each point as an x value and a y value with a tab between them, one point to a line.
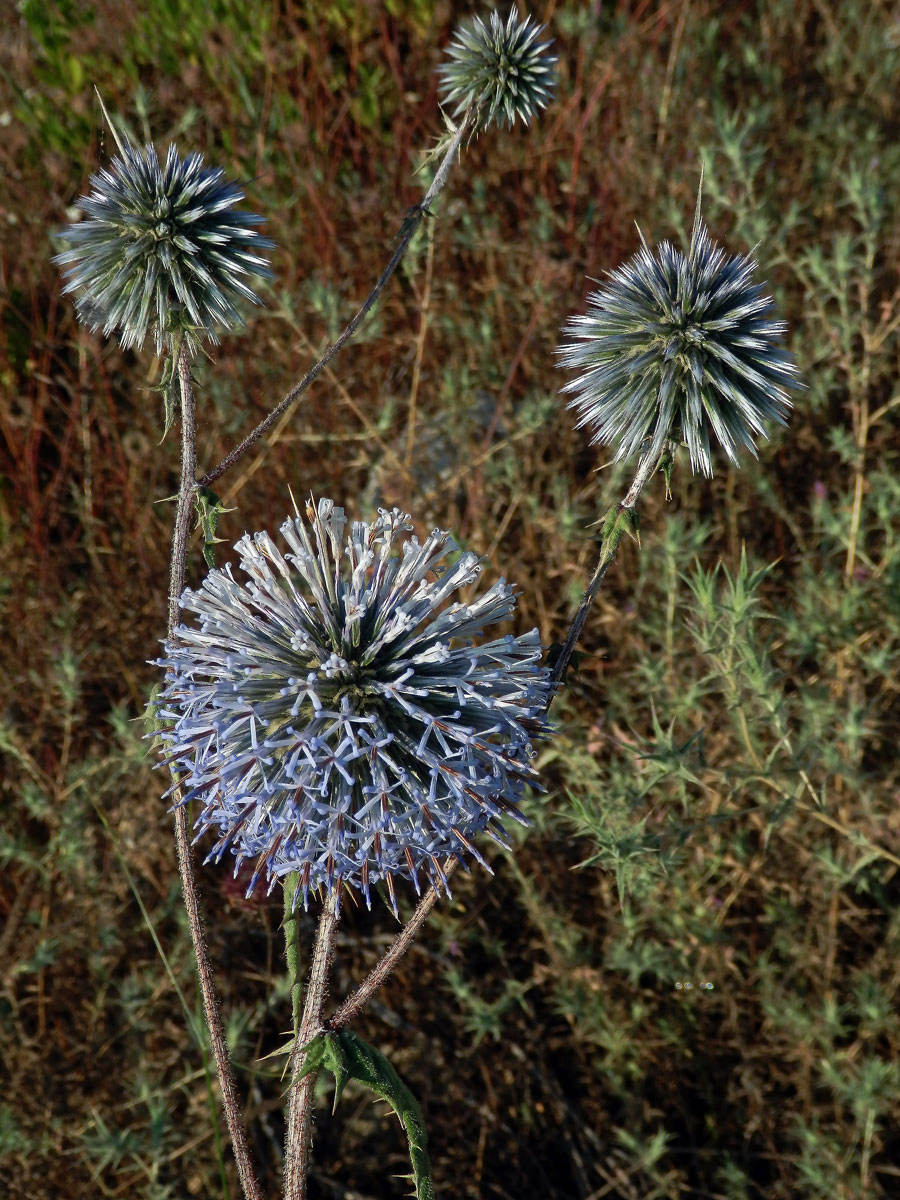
503	70
678	346
161	250
333	714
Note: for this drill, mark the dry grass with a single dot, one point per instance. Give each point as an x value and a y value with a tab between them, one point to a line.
538	1020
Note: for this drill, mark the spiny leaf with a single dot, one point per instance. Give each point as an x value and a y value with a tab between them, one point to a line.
348	1056
209	508
152	722
617	521
667	466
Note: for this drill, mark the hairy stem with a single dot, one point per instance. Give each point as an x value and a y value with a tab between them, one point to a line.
182	525
607	557
353	1004
211	1008
408	230
298	1141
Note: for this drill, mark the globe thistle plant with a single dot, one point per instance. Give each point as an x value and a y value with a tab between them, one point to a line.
162	250
333	713
679	346
503	71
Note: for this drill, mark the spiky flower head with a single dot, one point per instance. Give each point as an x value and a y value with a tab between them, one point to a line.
334	715
162	250
501	70
677	347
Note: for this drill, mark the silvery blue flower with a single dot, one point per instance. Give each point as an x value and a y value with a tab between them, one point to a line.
679	346
503	70
333	713
162	250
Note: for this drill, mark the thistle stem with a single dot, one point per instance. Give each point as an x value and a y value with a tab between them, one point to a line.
408	230
360	998
211	1007
646	468
298	1141
607	556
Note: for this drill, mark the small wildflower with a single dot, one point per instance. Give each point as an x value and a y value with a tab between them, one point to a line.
503	70
161	250
679	346
334	715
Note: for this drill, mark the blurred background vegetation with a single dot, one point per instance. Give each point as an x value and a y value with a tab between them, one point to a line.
685	982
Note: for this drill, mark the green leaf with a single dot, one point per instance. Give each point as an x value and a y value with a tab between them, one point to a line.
348	1056
617	521
152	722
168	387
209	508
667	466
314	1056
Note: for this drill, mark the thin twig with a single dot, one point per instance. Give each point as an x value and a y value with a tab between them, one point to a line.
211	1008
298	1140
607	557
353	1004
424	304
414	219
183	509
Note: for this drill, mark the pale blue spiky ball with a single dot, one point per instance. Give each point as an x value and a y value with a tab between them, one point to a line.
679	347
162	250
336	713
502	70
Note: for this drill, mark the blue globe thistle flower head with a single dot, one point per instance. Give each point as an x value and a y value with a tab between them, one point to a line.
162	250
682	347
333	713
504	71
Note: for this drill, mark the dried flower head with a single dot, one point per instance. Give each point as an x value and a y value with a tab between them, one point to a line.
333	714
503	70
678	346
161	250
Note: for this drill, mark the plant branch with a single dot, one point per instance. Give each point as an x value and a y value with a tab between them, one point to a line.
612	535
298	1140
413	220
211	1008
353	1004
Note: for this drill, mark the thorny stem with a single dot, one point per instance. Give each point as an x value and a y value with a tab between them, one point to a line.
183	508
607	557
408	230
298	1140
360	998
211	1008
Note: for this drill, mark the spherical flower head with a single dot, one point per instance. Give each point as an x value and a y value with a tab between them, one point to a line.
503	71
334	715
679	346
162	250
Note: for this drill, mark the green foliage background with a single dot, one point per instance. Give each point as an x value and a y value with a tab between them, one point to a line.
685	983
